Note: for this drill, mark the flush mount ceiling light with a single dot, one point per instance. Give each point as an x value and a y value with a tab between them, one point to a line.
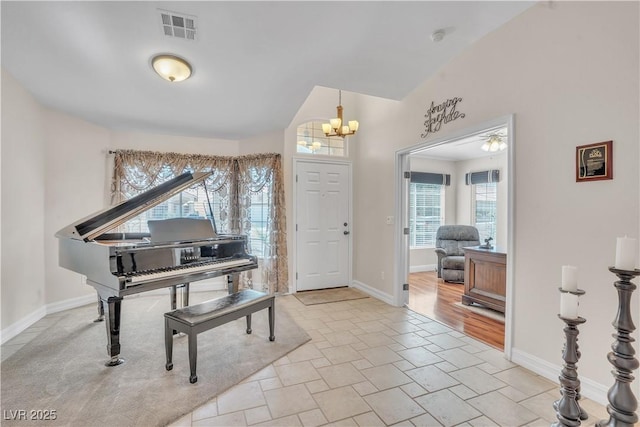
171	67
335	127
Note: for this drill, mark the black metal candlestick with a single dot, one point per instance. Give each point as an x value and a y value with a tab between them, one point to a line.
622	402
568	410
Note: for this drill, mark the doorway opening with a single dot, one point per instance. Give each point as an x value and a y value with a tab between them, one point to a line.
463	179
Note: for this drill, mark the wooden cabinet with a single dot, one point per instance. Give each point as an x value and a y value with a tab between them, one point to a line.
485	277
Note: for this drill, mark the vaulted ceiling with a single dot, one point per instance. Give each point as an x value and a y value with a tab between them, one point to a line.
254	62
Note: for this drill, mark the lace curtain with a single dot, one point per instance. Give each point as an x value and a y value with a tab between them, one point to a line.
234	181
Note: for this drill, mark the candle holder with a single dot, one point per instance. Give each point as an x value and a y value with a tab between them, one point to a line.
622	402
568	410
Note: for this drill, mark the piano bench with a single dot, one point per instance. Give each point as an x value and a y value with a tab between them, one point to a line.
201	317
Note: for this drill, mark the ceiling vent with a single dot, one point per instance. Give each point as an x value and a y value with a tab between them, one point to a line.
178	25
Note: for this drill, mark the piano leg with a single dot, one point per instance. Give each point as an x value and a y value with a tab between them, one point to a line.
272	320
173	297
168	345
233	281
100	310
184	297
112	307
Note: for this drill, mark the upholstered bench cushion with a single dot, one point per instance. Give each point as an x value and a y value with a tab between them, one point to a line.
208	310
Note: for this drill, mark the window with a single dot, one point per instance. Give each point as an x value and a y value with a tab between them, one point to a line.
259	217
244	194
484	209
190	203
426	213
311	140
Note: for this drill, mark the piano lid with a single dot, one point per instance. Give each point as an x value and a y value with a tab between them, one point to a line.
103	221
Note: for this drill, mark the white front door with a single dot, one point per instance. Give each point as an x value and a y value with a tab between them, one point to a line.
323	236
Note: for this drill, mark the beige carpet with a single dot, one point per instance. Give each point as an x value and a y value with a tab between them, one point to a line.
487	312
324	296
62	369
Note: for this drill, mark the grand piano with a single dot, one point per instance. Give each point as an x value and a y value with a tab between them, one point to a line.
180	251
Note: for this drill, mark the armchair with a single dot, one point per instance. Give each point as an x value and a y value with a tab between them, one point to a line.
450	239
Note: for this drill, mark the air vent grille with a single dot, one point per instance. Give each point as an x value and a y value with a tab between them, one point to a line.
178	25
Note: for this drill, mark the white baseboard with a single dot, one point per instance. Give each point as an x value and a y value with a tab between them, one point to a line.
425	267
57	307
588	388
21	325
15	328
373	292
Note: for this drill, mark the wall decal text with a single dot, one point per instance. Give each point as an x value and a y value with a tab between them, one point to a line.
444	112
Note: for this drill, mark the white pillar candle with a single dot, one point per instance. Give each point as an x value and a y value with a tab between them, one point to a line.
569	278
569	305
625	253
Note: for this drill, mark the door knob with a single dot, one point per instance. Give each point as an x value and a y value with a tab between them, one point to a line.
345	232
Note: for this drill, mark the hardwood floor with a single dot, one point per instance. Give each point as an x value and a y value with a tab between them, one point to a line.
435	298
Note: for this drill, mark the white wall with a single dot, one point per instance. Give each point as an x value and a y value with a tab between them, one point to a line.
574	83
22	285
173	143
270	143
75	186
374	197
63	169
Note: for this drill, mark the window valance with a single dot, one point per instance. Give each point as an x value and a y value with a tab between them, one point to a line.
482	177
430	178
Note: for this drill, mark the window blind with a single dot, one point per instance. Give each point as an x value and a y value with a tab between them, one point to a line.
483	177
430	178
426	213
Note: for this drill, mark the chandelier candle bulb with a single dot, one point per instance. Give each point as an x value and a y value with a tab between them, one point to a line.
569	278
568	305
625	253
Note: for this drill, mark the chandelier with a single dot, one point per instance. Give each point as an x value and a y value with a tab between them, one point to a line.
335	126
494	142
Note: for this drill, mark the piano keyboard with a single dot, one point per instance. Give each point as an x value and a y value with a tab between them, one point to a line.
186	269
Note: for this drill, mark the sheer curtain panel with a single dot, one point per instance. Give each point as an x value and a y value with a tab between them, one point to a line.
247	194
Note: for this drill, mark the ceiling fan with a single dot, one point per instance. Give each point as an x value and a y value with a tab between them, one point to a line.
494	142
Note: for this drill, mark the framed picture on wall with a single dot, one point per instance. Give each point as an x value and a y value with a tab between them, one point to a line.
594	161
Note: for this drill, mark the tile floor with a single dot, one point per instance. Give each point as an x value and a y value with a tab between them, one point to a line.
371	364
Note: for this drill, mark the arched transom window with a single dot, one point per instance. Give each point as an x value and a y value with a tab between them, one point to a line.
311	140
